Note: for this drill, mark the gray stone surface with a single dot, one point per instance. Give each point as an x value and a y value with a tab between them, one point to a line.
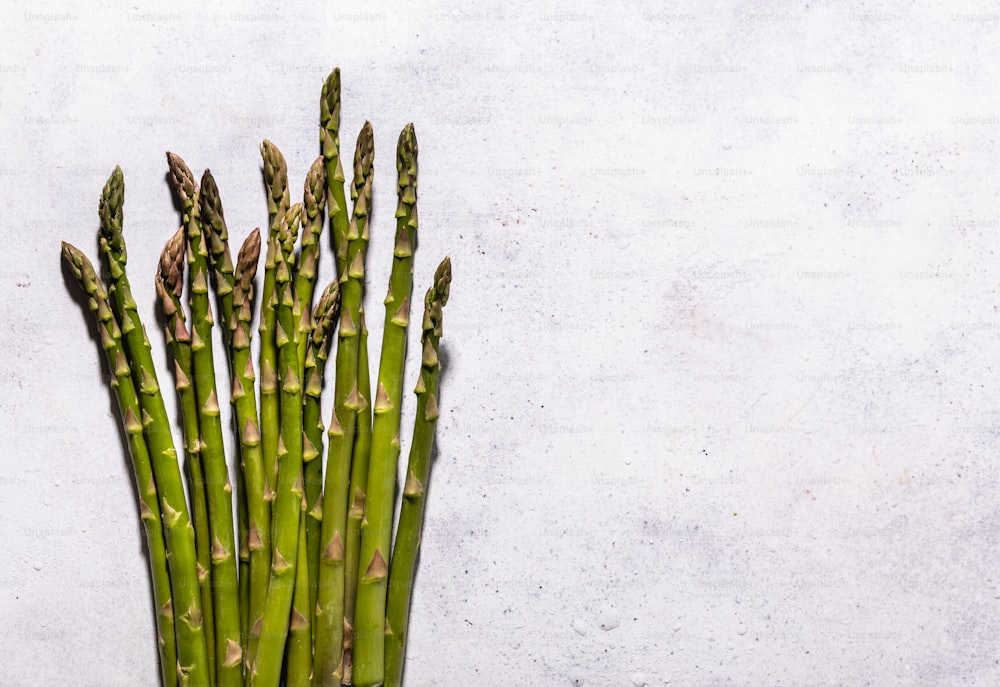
721	396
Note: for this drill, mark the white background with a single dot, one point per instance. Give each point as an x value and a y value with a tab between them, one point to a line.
721	397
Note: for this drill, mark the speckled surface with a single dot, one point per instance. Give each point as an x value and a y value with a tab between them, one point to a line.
720	396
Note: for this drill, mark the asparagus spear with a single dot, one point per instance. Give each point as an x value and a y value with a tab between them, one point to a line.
312	229
328	665
411	514
299	625
376	530
317	351
270	640
218	487
276	179
251	457
192	653
169	287
329	138
356	490
329	141
218	256
243	396
128	407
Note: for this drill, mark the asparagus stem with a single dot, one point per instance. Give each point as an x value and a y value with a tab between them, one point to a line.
251	455
218	487
312	229
276	179
376	530
317	352
329	141
243	573
270	642
299	625
358	485
130	410
411	514
328	663
218	256
169	287
243	397
192	654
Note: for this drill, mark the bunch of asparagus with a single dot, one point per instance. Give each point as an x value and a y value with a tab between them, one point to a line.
303	591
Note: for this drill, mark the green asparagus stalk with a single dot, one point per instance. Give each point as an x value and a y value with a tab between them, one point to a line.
287	507
128	406
317	352
218	487
356	491
376	530
192	653
243	398
251	456
411	514
312	229
328	664
169	288
299	625
329	141
329	138
276	179
218	257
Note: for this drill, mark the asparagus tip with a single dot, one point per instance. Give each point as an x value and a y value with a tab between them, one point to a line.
171	268
442	280
181	176
109	210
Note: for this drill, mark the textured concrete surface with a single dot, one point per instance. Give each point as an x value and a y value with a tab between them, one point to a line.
721	394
